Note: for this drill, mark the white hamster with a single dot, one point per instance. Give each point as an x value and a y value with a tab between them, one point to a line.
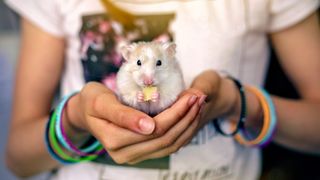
149	64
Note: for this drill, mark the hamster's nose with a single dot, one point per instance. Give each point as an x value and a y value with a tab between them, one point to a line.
147	81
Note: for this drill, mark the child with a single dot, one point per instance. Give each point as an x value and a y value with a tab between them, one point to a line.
72	43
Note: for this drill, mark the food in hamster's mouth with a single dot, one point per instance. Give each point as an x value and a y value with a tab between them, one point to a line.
147	92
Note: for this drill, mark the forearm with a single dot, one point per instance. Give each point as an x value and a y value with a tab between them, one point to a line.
26	151
37	76
298	124
29	138
299	120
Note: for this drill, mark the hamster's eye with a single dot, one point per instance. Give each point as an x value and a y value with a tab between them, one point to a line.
159	63
139	63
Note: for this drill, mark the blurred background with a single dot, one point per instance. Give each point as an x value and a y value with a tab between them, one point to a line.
278	163
9	45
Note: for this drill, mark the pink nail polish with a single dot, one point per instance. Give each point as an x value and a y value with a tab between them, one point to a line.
192	100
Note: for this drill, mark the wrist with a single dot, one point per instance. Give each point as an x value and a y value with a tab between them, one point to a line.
232	110
63	137
232	100
232	107
254	111
73	117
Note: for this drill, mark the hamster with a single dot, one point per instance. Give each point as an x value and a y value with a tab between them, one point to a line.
149	64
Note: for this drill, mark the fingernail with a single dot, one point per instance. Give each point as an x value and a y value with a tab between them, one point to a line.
202	99
146	125
192	99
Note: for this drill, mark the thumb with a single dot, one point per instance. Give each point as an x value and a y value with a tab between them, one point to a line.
109	108
131	119
102	103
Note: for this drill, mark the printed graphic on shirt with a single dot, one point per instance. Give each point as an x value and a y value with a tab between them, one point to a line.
99	56
210	173
196	174
102	35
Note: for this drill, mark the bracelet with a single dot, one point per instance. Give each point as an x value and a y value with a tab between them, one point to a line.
57	142
269	121
49	147
273	120
243	110
90	150
55	150
65	141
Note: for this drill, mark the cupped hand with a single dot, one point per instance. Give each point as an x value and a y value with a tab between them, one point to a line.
119	129
222	96
174	127
99	105
208	97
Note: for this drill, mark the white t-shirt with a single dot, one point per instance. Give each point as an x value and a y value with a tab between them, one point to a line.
227	35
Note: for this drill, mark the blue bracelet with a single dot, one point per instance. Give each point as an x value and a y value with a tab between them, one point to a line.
273	119
60	137
267	137
49	148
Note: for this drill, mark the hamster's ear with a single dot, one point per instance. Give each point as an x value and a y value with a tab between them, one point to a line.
170	48
126	51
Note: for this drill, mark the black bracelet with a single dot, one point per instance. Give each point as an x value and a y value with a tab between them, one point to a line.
243	112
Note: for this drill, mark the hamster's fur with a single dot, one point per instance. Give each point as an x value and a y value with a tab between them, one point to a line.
166	75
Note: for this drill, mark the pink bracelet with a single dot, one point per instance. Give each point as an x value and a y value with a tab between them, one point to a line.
93	149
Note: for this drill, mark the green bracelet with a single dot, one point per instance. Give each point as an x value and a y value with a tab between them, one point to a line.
58	150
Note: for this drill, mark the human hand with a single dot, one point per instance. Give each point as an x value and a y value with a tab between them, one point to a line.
222	96
115	125
174	127
96	105
101	103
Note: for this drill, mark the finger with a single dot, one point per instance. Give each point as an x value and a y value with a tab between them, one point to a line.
114	137
109	108
207	82
129	153
102	103
196	91
196	130
184	139
202	97
173	114
192	90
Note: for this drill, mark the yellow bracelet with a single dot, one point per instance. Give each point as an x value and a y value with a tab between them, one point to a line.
266	121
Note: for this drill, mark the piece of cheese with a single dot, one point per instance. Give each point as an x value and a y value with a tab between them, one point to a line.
147	92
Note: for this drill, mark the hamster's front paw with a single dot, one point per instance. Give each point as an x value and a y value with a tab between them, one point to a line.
140	96
155	96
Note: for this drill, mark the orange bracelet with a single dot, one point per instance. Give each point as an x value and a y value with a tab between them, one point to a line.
266	121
